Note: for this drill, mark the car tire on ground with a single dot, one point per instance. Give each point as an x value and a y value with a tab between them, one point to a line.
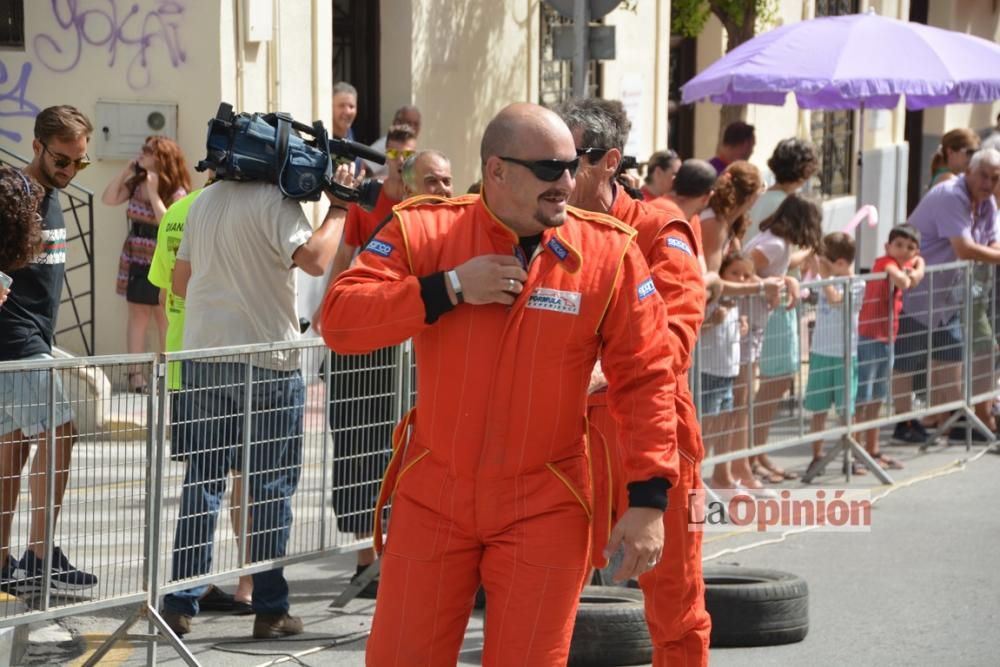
754	607
610	629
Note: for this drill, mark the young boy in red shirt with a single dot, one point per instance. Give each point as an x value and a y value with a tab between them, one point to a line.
904	268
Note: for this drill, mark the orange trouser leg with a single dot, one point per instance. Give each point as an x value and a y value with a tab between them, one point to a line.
533	574
674	590
428	577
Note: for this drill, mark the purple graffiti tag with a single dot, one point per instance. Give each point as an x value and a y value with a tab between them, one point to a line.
14	101
127	31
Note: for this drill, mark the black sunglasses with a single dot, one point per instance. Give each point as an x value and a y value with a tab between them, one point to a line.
61	161
547	170
592	154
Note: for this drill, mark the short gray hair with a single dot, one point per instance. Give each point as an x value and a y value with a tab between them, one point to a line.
989	156
409	170
605	123
344	87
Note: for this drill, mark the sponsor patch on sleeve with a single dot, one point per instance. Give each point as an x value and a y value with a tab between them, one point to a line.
673	242
646	287
379	247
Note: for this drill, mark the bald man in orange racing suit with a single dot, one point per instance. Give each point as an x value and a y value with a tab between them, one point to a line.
679	625
494	484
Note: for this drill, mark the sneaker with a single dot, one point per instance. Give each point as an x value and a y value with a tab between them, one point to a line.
11	577
957	434
272	626
910	433
65	576
179	624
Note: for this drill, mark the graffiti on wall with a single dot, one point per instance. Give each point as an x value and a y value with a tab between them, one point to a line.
145	37
14	102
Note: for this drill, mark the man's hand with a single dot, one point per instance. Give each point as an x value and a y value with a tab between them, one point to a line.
342	176
597	379
641	531
3	294
491	279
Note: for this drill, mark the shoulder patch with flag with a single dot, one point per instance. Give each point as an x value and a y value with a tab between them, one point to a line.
646	287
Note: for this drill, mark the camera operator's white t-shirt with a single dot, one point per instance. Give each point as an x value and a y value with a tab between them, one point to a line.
240	238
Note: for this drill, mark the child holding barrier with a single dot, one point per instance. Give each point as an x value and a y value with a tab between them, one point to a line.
903	268
827	382
720	362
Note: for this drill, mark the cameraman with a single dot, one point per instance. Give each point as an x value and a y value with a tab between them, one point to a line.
235	267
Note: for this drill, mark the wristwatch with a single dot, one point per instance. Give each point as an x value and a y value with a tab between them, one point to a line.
456	285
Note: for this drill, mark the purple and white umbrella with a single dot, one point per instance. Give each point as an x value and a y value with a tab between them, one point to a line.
859	61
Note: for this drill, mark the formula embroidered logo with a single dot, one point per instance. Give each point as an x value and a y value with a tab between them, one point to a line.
379	247
555	300
558	248
679	245
646	287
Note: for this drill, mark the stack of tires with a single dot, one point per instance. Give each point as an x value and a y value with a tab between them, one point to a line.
749	607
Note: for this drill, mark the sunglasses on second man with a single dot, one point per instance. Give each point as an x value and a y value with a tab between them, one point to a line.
61	161
549	171
401	153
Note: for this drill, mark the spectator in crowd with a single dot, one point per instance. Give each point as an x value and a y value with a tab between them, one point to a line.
150	183
27	326
361	224
660	172
405	115
738	141
361	425
956	221
234	270
827	372
427	173
20	222
161	270
345	110
797	221
678	622
722	338
724	221
793	163
904	268
952	155
479	493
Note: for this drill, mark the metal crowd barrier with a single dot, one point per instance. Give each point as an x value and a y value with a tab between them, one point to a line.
291	441
940	369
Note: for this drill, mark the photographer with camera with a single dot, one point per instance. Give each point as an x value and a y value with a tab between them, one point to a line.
235	268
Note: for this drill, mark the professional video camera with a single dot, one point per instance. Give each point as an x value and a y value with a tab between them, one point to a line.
270	147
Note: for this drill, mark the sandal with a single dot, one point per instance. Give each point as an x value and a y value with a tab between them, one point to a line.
765	474
887	462
857	468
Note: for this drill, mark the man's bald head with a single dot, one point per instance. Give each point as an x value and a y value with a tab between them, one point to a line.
517	125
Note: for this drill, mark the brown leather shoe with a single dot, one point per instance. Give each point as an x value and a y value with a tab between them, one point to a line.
272	626
179	623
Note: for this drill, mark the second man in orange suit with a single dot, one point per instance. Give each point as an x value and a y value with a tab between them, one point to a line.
674	591
509	300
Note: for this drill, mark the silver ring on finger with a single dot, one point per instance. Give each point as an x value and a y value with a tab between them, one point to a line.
652	562
511	284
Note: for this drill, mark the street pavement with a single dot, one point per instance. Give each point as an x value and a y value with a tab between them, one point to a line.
919	589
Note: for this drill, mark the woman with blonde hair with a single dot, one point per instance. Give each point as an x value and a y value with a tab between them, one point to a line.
953	154
150	183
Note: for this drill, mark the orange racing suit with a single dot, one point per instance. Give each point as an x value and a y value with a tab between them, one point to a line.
679	625
495	482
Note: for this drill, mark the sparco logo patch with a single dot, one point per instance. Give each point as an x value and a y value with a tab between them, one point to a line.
646	287
680	245
555	300
379	247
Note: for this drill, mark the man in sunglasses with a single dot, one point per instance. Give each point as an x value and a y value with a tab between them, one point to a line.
27	325
509	299
675	607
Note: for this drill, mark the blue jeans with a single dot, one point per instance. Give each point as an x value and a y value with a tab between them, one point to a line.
215	394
